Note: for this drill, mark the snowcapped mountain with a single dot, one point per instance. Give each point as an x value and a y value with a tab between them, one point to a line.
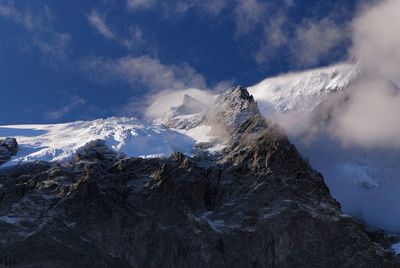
183	127
194	125
302	91
107	210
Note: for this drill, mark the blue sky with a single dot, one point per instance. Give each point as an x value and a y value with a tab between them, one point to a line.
76	60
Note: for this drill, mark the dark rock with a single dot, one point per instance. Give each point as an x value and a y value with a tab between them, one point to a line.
8	148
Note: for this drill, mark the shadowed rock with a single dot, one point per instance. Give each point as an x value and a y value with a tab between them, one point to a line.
8	148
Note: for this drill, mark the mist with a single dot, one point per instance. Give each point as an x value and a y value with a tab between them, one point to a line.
354	137
162	102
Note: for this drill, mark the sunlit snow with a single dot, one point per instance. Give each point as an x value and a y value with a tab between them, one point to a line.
59	142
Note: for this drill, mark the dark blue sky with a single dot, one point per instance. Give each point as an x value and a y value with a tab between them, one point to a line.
71	60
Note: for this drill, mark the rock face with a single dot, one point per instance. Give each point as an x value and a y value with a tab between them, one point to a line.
8	148
258	204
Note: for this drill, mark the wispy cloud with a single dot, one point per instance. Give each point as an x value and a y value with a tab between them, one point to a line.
249	14
53	45
156	86
145	71
134	41
99	23
26	18
306	42
314	39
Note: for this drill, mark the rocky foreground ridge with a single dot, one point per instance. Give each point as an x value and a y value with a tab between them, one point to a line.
255	204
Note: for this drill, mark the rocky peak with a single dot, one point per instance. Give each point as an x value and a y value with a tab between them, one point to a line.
8	148
190	105
187	115
232	108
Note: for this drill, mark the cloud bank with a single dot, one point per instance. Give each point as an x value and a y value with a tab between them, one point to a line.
371	117
366	113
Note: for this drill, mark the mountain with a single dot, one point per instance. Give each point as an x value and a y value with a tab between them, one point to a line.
352	174
256	203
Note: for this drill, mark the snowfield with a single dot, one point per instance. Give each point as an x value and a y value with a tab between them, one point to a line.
59	142
302	91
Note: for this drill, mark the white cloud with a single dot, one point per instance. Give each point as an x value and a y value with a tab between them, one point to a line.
371	118
99	23
376	39
145	71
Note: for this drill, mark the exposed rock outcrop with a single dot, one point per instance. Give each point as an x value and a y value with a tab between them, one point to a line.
258	204
8	148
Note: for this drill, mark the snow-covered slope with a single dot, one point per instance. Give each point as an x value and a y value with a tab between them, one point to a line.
302	90
126	135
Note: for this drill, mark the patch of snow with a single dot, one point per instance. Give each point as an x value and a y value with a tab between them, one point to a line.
10	220
396	248
200	133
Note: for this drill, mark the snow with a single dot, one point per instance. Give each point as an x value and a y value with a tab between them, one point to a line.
59	142
396	248
200	133
301	91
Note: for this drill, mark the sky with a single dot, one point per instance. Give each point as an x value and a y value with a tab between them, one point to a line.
69	60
